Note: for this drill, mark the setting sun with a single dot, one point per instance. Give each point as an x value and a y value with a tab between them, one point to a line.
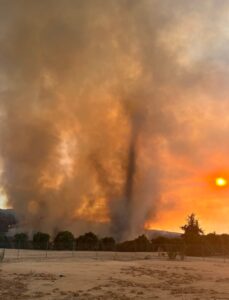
220	181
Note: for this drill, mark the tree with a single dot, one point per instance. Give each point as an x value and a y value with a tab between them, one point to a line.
64	241
160	243
193	236
88	241
21	240
142	244
41	240
192	229
107	244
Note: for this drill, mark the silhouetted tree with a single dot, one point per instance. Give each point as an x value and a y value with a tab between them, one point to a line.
192	236
107	244
159	243
21	240
140	244
88	241
64	241
192	228
162	243
41	240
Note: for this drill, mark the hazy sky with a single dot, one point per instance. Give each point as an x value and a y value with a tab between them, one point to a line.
83	83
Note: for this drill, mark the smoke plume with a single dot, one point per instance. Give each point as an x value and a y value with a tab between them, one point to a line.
92	94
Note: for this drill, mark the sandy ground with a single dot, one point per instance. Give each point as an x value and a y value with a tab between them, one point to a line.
89	275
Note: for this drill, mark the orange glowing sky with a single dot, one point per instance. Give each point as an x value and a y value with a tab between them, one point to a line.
199	186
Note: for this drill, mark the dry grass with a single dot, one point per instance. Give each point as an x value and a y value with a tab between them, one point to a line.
87	276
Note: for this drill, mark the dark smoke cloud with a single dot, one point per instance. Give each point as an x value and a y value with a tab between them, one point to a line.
90	91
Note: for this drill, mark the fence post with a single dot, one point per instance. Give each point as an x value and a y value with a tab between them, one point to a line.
115	253
223	249
73	248
18	250
2	255
46	252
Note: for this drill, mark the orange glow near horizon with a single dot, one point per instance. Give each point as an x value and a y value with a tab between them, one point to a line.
199	187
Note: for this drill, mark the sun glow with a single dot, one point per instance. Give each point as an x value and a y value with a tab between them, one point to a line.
221	182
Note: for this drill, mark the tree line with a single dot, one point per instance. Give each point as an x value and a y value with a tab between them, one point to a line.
192	242
64	240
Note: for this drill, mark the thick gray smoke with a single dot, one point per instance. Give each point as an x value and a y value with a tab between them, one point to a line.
89	94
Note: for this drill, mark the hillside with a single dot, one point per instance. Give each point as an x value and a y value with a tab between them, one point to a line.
7	219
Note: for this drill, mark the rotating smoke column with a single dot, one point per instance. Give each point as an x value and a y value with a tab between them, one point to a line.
131	167
135	121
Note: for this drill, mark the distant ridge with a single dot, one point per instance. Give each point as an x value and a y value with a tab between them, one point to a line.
7	219
7	211
154	233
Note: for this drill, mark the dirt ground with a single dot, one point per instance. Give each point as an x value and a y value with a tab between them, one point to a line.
106	275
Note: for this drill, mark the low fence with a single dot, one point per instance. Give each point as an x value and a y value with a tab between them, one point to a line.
10	255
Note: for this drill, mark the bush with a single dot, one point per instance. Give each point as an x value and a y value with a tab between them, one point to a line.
172	254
